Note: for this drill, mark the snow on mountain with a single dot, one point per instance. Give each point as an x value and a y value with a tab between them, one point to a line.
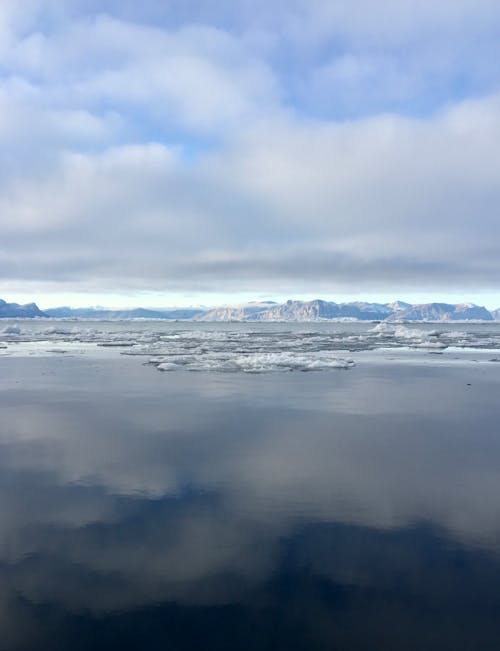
397	306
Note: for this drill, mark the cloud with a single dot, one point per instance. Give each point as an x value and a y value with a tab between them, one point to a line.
166	148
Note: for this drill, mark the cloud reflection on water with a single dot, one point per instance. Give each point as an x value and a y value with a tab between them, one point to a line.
130	491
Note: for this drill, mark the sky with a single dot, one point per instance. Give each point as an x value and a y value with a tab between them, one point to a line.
173	152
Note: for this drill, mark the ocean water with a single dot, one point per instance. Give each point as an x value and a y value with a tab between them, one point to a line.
189	486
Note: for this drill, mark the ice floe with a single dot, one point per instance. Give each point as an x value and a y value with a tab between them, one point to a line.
256	348
252	362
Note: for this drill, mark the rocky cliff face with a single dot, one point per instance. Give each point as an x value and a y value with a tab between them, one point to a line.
318	309
400	311
300	311
248	312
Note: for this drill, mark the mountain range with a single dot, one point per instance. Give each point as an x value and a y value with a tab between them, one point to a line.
316	310
360	311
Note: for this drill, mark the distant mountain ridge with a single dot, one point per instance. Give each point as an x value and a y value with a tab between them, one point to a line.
444	312
137	313
291	310
15	310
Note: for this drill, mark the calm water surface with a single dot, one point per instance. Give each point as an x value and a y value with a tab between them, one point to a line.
350	509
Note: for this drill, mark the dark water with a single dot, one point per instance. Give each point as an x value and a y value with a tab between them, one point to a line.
347	510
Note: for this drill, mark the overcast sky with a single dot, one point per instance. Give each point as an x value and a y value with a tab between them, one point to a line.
180	151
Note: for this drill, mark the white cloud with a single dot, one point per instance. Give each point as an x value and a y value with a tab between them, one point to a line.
192	147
